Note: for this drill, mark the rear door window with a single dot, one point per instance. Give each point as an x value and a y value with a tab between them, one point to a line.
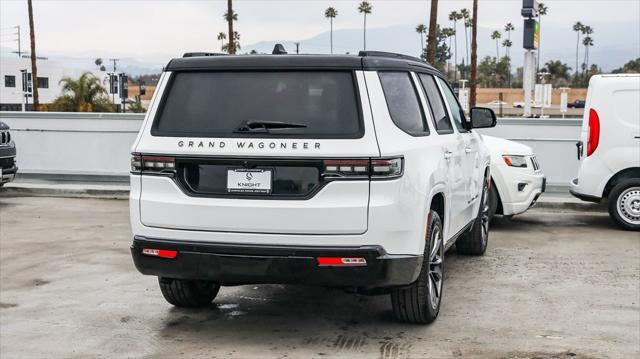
436	104
306	104
403	103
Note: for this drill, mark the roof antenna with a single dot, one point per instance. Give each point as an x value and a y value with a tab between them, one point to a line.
279	50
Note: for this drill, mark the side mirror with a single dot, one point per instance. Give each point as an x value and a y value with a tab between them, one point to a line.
482	117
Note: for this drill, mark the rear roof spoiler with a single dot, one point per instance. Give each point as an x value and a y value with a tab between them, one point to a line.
198	54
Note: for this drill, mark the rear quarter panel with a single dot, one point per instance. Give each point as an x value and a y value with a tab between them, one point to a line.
615	99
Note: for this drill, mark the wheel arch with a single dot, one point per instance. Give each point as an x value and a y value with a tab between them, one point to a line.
438	204
499	208
627	173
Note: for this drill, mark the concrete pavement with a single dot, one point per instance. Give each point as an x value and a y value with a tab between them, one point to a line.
551	285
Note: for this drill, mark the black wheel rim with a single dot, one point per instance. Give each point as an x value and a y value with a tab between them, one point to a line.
436	259
484	216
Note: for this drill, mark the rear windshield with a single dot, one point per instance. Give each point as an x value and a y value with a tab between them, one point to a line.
319	104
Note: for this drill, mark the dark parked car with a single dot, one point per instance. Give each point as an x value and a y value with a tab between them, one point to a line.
576	104
8	167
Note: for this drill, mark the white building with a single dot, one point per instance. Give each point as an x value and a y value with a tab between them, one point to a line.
50	72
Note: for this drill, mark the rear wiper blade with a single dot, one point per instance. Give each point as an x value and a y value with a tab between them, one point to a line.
264	126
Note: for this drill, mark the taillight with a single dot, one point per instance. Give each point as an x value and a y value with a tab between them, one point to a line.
594	132
386	168
346	167
161	253
341	261
142	164
368	168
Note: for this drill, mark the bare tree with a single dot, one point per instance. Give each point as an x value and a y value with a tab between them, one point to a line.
474	55
432	42
34	68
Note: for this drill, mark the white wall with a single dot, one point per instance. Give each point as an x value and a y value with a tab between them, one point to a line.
73	143
100	143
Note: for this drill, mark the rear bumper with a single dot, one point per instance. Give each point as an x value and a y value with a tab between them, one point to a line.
585	197
576	191
232	264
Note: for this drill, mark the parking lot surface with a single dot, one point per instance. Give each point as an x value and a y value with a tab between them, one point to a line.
551	285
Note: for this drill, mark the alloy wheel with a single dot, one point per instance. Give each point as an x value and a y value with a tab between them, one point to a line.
436	259
484	215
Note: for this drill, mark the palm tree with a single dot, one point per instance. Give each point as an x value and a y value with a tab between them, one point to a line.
467	24
507	45
448	33
236	43
230	16
542	10
558	71
455	16
85	94
222	36
508	28
331	14
587	42
578	27
474	55
496	35
365	8
421	29
98	62
34	68
432	41
586	31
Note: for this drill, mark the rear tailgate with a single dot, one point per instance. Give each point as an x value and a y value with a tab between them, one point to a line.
267	181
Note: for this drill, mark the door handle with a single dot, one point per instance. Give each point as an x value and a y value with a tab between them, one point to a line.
467	149
448	154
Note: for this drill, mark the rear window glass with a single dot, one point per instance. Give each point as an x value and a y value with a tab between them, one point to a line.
318	104
403	103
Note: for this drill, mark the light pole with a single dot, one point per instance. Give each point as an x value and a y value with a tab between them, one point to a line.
530	44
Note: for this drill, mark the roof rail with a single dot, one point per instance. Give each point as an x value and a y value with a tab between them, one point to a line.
197	54
389	55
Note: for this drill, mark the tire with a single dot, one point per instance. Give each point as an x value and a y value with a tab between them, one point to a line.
624	204
474	242
419	303
188	293
494	198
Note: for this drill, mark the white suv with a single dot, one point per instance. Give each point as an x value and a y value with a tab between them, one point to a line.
609	148
338	171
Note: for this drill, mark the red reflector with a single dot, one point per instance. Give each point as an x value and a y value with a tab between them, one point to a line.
342	261
162	253
594	132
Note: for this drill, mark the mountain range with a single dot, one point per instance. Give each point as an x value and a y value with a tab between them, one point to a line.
615	44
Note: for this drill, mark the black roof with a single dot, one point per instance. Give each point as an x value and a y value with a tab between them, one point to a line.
372	60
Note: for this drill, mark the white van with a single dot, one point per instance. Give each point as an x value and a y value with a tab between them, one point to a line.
337	171
609	148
